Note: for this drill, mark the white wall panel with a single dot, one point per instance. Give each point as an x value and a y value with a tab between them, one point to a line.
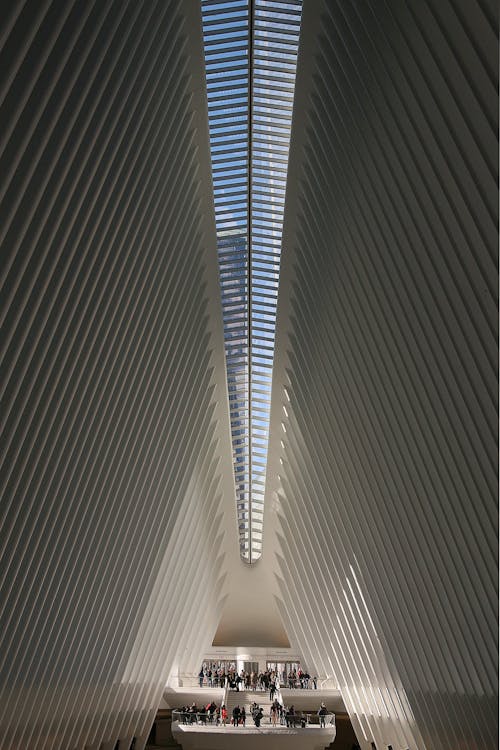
383	477
115	452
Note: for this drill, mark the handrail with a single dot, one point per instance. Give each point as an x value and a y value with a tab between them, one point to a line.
194	679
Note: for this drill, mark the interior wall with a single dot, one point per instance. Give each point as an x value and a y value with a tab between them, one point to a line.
115	456
382	482
250	616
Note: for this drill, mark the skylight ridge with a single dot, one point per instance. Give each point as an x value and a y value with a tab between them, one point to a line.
250	52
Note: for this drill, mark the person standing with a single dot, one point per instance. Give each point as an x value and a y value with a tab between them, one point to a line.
257	717
272	690
322	713
282	714
236	715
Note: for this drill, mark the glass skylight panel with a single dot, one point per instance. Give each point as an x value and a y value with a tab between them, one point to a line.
251	54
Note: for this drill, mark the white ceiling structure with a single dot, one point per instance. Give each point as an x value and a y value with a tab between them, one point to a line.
119	547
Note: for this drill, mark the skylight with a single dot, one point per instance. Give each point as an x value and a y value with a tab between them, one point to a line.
251	55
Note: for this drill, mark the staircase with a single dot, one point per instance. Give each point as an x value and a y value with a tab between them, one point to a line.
246	698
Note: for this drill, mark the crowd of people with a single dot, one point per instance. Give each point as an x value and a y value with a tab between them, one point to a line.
218	715
211	675
210	713
216	674
213	714
280	714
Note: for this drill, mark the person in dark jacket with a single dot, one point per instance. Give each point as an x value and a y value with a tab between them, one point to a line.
322	713
272	690
257	717
236	715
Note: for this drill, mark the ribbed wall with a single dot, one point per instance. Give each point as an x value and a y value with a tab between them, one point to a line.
115	426
116	474
384	425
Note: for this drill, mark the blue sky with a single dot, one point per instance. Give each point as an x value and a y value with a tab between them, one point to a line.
249	161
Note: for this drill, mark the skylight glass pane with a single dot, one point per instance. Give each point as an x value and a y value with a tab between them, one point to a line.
251	54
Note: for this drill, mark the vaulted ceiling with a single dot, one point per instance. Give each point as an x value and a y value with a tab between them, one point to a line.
119	540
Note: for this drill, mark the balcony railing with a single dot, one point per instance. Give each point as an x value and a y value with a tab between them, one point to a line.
297	720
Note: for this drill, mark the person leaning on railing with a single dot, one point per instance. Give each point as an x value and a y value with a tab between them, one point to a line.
211	708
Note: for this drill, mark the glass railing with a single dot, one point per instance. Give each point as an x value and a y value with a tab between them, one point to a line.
201	718
296	720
